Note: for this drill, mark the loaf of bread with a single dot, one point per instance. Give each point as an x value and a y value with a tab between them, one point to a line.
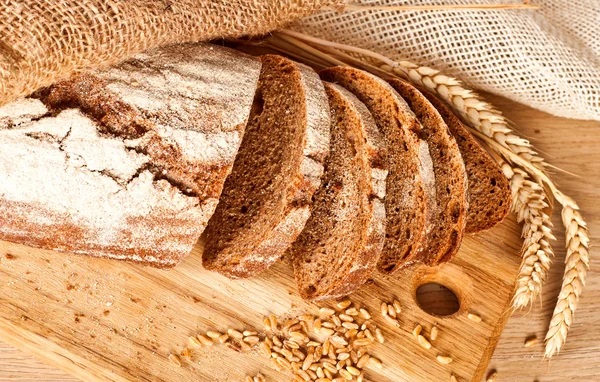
126	163
340	245
410	186
488	189
450	177
267	198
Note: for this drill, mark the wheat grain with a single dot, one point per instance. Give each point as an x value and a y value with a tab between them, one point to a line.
474	317
434	333
530	341
444	359
492	376
453	378
423	342
174	360
344	304
417	331
365	314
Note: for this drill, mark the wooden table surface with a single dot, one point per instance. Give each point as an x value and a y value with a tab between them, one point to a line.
572	145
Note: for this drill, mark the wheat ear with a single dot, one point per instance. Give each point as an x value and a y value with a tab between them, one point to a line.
524	167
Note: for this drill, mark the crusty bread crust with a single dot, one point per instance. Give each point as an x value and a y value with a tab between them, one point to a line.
488	189
450	177
128	162
243	244
410	185
341	243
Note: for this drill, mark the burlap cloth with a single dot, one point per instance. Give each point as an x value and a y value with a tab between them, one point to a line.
548	58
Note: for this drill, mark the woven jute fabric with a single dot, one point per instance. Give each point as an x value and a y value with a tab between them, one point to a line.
547	58
42	41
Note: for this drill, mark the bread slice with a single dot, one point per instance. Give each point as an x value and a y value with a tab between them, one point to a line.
450	177
410	189
488	189
266	199
126	163
340	245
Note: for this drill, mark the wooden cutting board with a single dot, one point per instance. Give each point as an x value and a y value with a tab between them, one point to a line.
107	320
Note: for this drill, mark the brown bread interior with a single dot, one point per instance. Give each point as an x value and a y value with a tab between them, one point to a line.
258	193
408	201
450	177
340	245
488	189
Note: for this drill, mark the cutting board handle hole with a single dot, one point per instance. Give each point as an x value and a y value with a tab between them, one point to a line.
437	300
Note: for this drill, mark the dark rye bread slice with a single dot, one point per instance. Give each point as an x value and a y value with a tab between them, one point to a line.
488	190
266	199
450	177
340	245
410	190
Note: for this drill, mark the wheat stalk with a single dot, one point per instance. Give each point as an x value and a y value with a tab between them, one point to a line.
577	262
520	163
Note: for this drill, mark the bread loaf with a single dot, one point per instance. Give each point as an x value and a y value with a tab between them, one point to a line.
126	163
410	189
488	189
340	245
266	200
450	177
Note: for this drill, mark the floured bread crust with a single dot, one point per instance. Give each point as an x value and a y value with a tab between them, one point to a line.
129	162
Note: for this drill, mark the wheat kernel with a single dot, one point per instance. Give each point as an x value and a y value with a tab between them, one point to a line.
365	314
351	312
336	320
249	379
423	342
273	320
267	325
492	376
531	341
392	321
374	362
244	346
397	306
379	336
174	360
343	356
223	338
360	378
474	317
193	341
330	367
351	333
434	333
212	334
252	340
384	309
312	374
317	325
205	341
326	311
298	378
235	334
350	325
453	378
362	361
277	341
417	330
361	342
346	374
343	304
346	318
327	332
352	370
248	333
444	359
265	349
391	311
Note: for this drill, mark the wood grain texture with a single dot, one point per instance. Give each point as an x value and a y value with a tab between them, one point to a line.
572	145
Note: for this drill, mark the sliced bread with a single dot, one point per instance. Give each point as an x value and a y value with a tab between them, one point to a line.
410	189
450	177
488	190
266	199
340	245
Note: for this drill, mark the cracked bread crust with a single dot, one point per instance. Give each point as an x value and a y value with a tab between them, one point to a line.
266	200
450	177
126	163
341	243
